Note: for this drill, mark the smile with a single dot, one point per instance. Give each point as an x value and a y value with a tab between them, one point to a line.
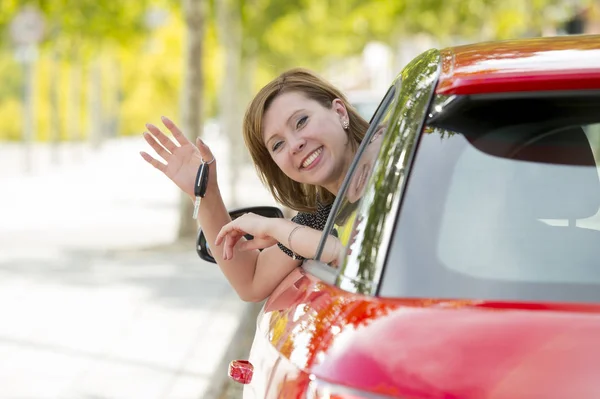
311	158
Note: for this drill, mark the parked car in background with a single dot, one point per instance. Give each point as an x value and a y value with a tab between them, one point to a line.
471	230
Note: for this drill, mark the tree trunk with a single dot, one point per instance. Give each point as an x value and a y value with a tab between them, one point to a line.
95	110
113	94
74	126
191	101
245	94
74	131
230	101
54	105
29	110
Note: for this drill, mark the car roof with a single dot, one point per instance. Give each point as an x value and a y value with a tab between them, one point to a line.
522	65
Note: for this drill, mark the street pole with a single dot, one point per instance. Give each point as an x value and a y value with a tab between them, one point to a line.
28	112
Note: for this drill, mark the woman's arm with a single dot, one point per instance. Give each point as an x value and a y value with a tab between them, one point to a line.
253	274
272	264
251	279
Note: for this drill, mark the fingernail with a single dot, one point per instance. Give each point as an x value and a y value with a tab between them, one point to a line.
148	125
164	118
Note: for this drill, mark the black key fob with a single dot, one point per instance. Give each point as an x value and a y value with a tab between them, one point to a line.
201	181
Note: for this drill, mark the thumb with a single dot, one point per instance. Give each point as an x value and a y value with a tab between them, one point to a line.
205	152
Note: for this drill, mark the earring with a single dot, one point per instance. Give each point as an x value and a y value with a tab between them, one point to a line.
345	125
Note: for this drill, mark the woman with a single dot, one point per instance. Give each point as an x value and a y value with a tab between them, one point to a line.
302	136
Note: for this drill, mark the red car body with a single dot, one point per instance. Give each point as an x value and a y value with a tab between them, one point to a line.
316	340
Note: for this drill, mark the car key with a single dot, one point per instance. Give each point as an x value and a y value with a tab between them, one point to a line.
200	187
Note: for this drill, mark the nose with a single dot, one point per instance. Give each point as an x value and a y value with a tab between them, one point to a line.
297	145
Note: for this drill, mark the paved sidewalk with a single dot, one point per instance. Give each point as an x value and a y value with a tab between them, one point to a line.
90	325
94	302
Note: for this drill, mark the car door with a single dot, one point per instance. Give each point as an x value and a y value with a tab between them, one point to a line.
294	329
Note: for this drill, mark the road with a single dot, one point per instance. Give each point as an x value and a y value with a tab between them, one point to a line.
95	301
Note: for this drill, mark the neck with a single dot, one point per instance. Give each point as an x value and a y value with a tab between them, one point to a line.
334	188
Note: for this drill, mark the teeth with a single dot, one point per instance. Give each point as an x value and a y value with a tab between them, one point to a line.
311	158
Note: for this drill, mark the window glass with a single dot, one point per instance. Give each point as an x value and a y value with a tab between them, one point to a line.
358	176
501	209
348	224
503	203
363	214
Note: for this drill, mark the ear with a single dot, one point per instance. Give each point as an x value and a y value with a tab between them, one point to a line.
339	108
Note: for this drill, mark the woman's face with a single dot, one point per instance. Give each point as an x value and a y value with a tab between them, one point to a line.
307	141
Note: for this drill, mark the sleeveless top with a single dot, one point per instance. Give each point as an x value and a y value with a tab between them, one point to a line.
315	220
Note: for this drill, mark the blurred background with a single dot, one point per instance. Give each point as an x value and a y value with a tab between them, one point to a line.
98	275
79	73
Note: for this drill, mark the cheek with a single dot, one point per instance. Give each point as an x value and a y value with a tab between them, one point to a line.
281	160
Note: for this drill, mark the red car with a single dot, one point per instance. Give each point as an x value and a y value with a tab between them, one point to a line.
471	223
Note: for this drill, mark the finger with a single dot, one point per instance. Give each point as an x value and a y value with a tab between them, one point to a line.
230	242
158	165
250	245
205	151
229	246
162	138
225	246
229	229
177	133
222	233
160	150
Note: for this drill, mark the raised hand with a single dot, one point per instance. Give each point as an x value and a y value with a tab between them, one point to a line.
181	158
258	226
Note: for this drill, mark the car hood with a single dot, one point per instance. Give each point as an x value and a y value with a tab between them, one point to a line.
467	350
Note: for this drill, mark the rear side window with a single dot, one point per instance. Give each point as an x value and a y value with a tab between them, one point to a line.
363	214
503	203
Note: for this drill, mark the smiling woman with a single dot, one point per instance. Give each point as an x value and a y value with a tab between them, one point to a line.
302	135
305	110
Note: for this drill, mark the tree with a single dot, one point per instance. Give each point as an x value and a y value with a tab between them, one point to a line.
231	99
191	106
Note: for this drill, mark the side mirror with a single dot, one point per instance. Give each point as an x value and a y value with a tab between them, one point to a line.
203	248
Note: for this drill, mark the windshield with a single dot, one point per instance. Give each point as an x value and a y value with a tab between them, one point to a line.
502	203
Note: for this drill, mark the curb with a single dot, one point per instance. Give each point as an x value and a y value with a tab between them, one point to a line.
237	349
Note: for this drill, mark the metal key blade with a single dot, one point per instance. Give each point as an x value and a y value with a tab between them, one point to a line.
196	207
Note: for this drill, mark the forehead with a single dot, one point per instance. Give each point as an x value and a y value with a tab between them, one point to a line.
281	108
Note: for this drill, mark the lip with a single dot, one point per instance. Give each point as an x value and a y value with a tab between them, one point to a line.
314	162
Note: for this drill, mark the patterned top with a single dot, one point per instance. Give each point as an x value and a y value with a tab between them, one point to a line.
315	220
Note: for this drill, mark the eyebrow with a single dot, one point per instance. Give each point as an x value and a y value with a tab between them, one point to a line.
286	122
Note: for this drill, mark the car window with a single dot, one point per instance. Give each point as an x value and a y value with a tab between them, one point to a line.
359	217
349	222
503	203
338	226
344	209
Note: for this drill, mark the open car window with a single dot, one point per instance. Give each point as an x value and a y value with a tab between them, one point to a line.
364	210
343	212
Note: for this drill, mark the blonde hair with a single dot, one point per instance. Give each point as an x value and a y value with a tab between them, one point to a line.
298	196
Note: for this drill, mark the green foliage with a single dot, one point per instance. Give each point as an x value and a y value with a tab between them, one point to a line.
276	35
